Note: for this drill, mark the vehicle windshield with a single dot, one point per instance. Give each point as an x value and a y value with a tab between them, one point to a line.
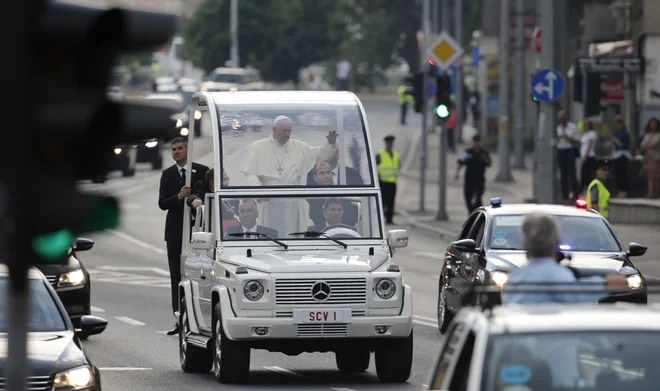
228	78
289	218
44	314
301	145
578	233
594	360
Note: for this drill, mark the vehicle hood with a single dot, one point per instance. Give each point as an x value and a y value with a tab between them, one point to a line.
585	264
309	262
48	352
49	269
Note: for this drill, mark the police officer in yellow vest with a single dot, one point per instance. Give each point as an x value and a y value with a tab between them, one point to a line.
388	171
598	197
405	97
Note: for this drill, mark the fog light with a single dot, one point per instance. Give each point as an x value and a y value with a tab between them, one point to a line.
381	329
261	330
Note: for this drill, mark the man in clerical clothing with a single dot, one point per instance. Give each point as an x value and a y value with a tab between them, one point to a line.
280	161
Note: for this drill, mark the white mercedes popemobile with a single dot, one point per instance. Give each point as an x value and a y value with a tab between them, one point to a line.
296	258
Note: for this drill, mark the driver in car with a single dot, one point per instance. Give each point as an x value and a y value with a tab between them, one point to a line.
333	211
248	213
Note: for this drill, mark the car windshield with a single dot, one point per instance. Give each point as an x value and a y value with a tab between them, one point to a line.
288	218
228	78
44	314
578	233
295	145
594	360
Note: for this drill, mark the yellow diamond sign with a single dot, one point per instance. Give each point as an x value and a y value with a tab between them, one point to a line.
444	51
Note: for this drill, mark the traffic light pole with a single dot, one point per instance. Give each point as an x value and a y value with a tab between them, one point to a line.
519	93
503	150
459	102
423	145
441	214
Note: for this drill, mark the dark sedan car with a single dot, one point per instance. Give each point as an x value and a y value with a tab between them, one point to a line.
56	358
72	283
490	246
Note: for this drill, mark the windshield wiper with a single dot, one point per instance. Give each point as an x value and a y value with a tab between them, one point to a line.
314	234
286	246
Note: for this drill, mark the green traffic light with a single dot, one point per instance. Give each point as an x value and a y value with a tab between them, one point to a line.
54	245
442	111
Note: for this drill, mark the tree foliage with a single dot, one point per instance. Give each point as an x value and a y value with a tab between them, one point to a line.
277	37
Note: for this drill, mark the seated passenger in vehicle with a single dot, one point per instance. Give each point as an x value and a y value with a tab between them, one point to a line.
322	174
230	207
353	177
333	211
248	222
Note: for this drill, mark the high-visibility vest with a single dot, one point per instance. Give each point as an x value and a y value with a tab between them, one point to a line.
388	169
603	197
403	96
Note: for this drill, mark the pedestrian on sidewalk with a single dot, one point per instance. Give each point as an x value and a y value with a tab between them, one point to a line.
621	156
405	97
598	197
388	172
588	154
567	153
651	146
476	160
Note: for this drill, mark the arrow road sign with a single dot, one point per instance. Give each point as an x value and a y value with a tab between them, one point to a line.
547	85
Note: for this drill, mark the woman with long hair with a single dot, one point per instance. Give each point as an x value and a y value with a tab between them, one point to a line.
651	147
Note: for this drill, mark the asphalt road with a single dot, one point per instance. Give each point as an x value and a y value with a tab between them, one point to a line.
130	288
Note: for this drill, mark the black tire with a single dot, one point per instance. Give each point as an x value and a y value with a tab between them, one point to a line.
193	359
444	316
353	361
394	360
235	368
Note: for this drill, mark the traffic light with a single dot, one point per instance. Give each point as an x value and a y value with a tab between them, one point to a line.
443	96
594	95
418	91
76	125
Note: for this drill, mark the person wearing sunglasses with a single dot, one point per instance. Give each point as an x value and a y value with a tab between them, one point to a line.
598	197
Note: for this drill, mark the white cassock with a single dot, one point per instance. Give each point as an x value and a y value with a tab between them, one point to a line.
267	163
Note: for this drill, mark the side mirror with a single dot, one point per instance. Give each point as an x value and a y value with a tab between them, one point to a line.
466	245
397	238
92	325
83	244
636	249
202	241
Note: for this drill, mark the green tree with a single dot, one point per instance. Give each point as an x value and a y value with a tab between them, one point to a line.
277	37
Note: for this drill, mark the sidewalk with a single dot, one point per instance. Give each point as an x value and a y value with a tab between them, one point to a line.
408	195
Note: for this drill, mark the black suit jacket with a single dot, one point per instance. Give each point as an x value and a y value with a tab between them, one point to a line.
170	186
234	229
316	212
353	177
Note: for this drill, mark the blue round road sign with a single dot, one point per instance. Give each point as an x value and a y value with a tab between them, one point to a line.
548	85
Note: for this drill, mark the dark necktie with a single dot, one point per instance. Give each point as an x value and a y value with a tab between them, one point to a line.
183	176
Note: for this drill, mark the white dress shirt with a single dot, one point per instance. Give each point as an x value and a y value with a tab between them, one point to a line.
569	130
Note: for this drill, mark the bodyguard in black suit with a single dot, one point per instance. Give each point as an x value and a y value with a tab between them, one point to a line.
173	191
322	175
248	213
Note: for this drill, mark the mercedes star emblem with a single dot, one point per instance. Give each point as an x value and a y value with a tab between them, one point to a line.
321	291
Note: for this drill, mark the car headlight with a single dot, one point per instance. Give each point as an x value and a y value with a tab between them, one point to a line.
385	288
233	89
78	378
204	89
184	131
74	277
198	114
117	151
634	282
151	144
500	278
253	290
179	122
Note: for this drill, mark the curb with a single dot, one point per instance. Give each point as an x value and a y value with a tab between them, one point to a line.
413	222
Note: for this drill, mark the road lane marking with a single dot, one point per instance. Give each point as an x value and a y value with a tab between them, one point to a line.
124	369
283	371
342	389
425	323
425	318
164	332
96	309
429	255
137	242
654	278
130	321
156	270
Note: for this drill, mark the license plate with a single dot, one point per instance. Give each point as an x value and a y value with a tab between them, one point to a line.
322	316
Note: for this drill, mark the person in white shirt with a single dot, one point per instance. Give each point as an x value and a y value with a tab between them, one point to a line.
588	154
343	71
567	140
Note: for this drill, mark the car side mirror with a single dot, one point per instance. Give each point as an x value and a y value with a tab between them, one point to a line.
636	249
397	238
92	325
202	241
83	244
466	245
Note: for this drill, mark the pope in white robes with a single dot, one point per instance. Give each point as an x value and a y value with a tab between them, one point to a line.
279	161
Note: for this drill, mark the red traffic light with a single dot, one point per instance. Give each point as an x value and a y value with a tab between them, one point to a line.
581	204
431	62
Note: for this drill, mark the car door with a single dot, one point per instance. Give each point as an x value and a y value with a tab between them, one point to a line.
471	264
454	268
448	356
207	260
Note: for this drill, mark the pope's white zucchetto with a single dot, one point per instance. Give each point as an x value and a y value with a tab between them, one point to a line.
281	118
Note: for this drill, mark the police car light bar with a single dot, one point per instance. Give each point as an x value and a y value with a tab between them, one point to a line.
581	204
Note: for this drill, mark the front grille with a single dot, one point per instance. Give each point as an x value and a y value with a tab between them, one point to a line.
293	291
289	314
322	330
52	280
34	383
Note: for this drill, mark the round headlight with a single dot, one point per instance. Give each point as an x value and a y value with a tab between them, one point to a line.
385	288
253	290
184	131
500	278
179	122
117	151
198	114
634	282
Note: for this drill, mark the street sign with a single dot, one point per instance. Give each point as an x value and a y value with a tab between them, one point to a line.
476	56
444	51
536	40
610	64
547	85
430	89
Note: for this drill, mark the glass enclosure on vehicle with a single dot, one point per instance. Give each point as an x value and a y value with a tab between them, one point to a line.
305	217
308	144
593	360
578	233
